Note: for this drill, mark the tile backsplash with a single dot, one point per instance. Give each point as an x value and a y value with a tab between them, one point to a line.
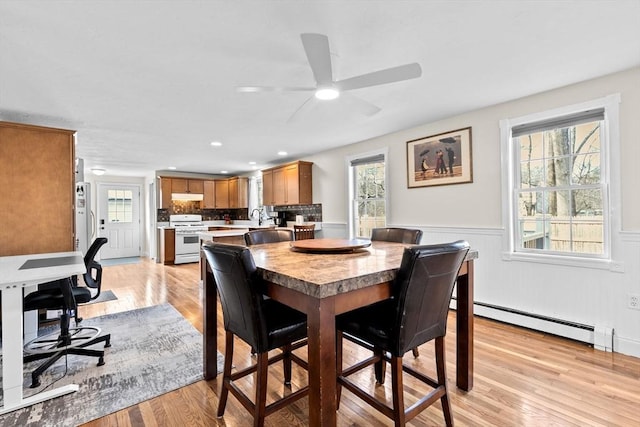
179	207
311	213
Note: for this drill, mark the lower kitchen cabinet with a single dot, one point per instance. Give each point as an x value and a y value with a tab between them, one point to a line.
167	245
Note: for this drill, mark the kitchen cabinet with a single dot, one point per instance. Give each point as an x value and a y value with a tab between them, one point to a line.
290	184
222	194
209	200
267	187
165	193
238	192
183	185
167	245
37	189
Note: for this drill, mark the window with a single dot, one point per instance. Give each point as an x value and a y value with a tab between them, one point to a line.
368	195
559	183
120	208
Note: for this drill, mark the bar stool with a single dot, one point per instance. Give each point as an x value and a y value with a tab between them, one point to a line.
303	232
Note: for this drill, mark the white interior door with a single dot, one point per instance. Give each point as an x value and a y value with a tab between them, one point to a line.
119	219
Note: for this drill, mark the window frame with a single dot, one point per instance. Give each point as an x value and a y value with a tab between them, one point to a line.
351	179
610	182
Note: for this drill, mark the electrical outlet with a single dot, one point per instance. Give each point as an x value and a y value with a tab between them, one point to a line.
634	301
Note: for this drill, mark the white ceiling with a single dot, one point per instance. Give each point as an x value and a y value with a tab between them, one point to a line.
149	85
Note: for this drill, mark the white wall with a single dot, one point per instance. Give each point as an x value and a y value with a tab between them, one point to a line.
472	211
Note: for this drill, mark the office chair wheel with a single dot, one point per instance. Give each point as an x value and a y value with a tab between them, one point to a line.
52	342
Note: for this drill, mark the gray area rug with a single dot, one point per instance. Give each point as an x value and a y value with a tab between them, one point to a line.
104	297
153	350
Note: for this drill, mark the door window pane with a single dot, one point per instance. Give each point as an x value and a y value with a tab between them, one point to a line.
120	206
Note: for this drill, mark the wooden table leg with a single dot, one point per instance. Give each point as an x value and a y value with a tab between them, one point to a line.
321	320
209	321
464	328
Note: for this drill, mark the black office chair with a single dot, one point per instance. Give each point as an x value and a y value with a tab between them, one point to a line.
65	295
416	314
264	324
398	235
269	235
92	279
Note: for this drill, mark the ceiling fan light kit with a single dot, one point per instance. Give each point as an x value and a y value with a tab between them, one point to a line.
327	93
316	47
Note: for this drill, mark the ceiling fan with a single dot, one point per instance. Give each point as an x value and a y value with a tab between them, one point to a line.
316	46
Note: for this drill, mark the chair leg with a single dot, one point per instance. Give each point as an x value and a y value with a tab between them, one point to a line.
397	389
442	380
226	373
286	364
338	367
380	367
416	352
261	389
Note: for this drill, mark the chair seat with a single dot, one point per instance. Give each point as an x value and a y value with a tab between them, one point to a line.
52	299
284	324
370	324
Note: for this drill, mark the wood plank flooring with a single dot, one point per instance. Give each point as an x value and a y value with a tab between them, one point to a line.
522	377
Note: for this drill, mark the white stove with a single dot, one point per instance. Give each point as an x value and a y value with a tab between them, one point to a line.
187	240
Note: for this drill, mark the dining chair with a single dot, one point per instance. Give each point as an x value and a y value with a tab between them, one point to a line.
416	314
398	235
269	235
264	324
304	231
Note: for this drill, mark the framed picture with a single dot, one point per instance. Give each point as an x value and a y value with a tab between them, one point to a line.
440	159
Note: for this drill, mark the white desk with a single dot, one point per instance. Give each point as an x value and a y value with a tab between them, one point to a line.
13	279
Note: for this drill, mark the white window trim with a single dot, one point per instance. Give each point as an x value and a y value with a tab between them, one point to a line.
351	180
611	153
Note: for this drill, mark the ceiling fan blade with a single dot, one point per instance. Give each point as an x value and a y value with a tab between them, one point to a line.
353	102
316	46
253	89
306	106
381	77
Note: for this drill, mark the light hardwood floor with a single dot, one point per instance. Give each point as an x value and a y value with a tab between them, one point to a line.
522	377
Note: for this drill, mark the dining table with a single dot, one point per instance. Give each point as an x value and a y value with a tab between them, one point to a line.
21	273
324	284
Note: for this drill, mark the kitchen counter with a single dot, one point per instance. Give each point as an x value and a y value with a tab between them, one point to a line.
210	235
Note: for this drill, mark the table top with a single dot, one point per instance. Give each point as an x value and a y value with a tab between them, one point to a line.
24	270
324	275
329	245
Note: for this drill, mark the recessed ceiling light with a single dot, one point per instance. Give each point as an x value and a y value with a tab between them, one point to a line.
172	168
252	163
216	144
282	153
327	93
98	171
224	171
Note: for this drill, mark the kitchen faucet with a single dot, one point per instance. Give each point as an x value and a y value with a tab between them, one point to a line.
259	215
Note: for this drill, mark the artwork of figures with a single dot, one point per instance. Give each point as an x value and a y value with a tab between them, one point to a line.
440	159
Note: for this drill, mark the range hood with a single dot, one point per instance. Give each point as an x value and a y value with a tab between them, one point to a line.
186	196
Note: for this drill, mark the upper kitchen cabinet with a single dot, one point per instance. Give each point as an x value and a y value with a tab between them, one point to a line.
165	193
238	192
222	194
184	185
37	189
288	184
209	200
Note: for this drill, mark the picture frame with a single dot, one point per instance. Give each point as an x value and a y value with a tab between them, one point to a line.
440	159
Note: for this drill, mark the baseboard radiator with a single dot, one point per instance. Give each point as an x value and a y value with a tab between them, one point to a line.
600	337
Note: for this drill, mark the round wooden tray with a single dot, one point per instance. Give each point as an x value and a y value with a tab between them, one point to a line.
330	246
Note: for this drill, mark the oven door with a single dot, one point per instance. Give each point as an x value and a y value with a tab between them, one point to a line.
187	248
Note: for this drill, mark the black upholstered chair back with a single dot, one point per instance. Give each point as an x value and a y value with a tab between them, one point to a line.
241	298
422	292
270	235
398	235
